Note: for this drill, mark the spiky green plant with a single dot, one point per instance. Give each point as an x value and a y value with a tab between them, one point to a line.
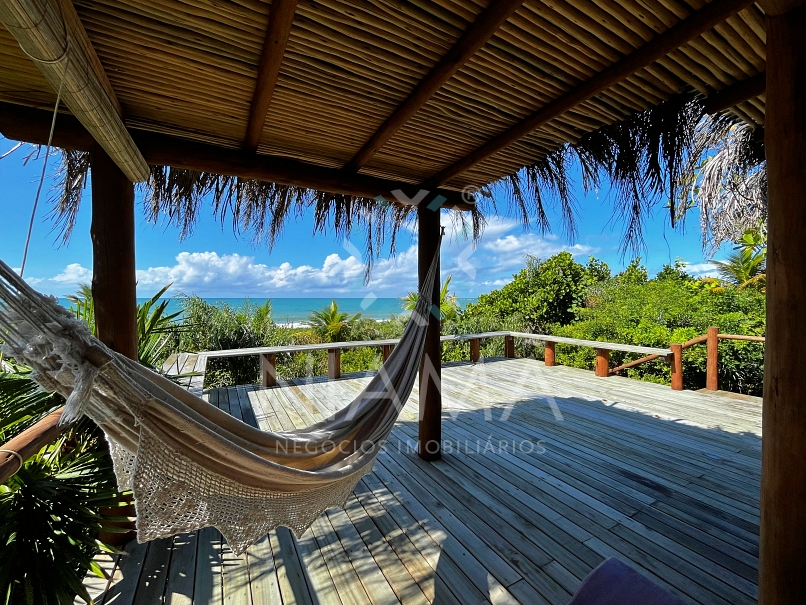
448	305
331	324
50	510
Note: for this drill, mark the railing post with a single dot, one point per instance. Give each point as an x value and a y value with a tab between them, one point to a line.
386	351
475	349
268	369
549	353
333	363
712	367
677	367
602	363
509	346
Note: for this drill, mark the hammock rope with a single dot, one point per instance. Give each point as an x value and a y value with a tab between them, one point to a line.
189	464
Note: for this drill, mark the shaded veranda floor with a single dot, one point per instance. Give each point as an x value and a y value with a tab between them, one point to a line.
547	471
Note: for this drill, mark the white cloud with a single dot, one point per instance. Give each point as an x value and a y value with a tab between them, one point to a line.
509	251
702	269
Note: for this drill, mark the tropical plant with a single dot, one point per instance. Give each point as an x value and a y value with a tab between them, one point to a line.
156	330
212	327
546	292
331	324
747	264
82	305
50	515
448	303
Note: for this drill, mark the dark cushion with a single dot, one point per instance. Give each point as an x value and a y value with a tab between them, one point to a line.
614	583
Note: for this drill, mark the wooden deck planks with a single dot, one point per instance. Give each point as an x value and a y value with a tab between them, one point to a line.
667	481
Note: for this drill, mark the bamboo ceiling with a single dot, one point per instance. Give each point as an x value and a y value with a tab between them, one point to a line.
189	68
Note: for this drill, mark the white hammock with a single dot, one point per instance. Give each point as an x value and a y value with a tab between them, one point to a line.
189	464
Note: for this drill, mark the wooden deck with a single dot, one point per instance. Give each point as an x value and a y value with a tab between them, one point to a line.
547	471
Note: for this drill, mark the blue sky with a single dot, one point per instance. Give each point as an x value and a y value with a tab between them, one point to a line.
214	262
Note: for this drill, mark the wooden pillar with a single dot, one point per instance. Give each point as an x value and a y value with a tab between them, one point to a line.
712	364
549	353
268	369
475	349
782	556
602	363
677	367
113	277
386	351
509	347
333	364
429	443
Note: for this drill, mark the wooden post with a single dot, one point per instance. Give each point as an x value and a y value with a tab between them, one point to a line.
333	363
268	369
475	349
782	553
429	443
602	363
712	366
113	277
509	347
549	353
677	367
386	351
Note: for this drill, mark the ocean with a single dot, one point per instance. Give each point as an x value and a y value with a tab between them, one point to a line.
296	310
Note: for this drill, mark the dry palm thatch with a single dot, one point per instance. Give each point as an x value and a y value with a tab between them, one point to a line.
257	209
729	185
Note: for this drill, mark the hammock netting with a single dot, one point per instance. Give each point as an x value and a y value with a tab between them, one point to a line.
189	464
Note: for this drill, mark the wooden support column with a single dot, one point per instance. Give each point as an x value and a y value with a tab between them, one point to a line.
677	367
268	369
549	353
782	556
712	364
475	349
602	363
509	347
386	351
429	443
113	276
333	363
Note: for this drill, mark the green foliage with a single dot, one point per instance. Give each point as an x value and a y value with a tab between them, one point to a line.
156	330
448	303
50	510
547	292
332	325
671	308
213	327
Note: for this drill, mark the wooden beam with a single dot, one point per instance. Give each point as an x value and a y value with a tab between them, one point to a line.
113	268
476	36
692	26
782	552
429	442
779	7
32	125
281	16
737	93
28	443
62	51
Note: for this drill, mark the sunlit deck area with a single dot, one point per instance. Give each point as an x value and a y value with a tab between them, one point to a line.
545	472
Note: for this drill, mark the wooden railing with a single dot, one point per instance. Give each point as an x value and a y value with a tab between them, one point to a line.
268	355
26	444
711	338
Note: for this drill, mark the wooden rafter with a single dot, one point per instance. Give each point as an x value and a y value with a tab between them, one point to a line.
32	125
733	95
476	36
58	44
689	28
281	16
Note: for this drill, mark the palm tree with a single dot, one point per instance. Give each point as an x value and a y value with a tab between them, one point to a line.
448	303
747	265
332	324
